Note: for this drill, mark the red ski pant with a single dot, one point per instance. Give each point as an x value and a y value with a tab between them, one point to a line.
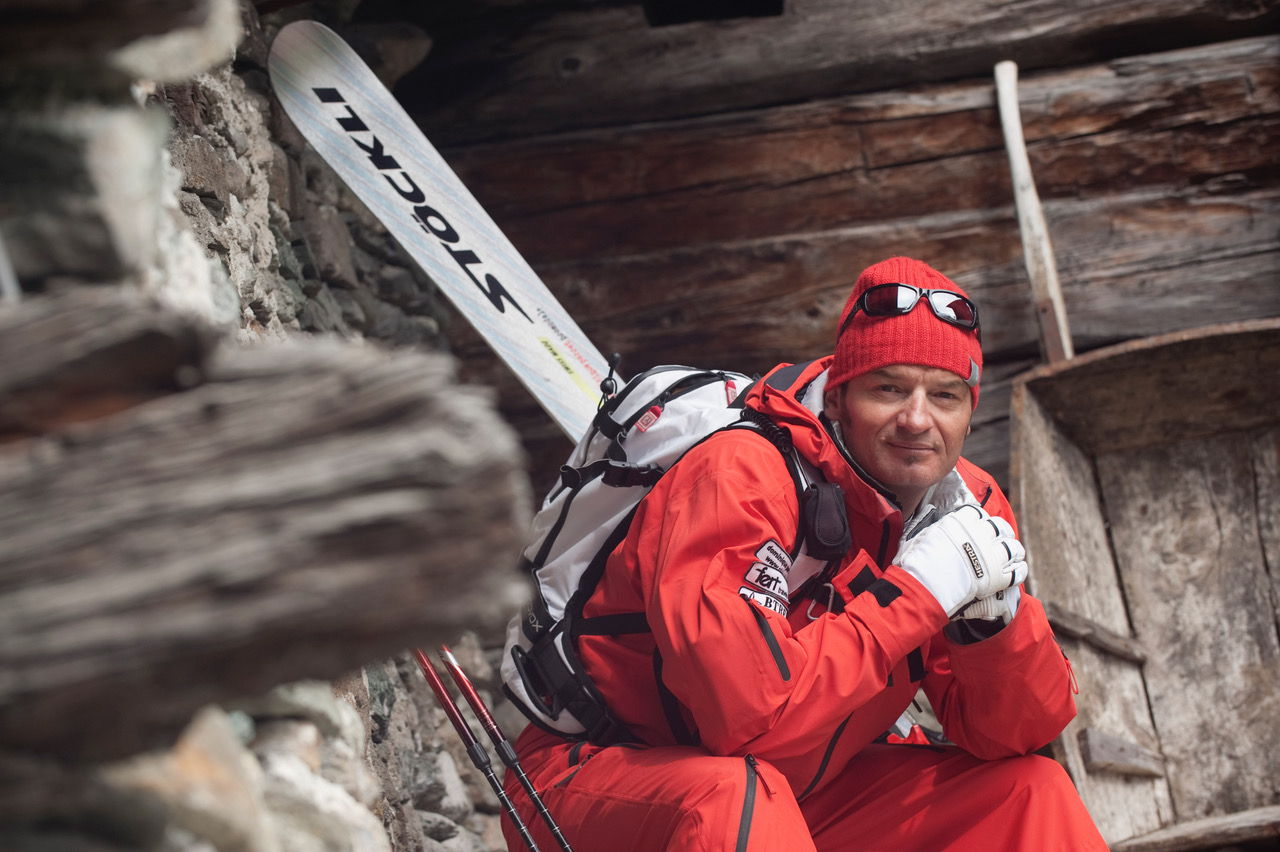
891	797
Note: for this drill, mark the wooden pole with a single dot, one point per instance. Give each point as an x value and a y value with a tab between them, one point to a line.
1037	250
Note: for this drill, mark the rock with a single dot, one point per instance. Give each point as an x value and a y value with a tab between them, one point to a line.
295	737
330	244
315	702
444	791
83	188
51	807
184	51
311	814
207	171
438	827
210	783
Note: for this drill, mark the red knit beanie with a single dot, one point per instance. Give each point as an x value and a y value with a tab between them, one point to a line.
918	337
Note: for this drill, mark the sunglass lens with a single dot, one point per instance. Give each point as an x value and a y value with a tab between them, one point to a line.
889	300
954	308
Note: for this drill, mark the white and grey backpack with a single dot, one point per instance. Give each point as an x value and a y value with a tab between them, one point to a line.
637	435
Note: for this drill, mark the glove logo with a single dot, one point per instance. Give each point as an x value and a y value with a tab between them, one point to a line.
974	562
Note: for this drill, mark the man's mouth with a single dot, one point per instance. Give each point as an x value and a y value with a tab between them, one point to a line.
910	446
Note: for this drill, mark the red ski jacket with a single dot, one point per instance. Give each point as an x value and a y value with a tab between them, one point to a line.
796	682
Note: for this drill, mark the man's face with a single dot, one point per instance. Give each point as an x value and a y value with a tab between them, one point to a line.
904	424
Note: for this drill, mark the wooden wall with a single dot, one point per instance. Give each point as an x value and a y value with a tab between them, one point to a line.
707	193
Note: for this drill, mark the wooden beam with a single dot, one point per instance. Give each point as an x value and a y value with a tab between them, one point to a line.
1103	752
1117	398
1037	248
1068	623
1133	265
1257	824
534	73
1187	545
296	511
1168	123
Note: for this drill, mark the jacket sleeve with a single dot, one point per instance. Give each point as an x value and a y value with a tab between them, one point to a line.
1006	695
751	684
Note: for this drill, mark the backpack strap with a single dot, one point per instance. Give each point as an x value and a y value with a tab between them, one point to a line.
823	527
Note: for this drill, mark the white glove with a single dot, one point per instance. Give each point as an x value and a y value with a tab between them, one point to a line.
963	556
1002	606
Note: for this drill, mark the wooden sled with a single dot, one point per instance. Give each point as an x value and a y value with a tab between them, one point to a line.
1147	484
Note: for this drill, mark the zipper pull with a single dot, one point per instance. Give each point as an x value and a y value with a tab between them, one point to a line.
1071	673
755	767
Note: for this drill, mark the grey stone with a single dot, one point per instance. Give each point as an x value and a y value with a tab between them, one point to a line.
330	244
311	814
314	701
83	186
210	783
444	793
184	51
488	827
321	312
44	799
438	826
353	315
207	171
465	841
296	737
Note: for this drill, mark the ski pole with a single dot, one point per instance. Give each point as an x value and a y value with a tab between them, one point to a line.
500	743
475	749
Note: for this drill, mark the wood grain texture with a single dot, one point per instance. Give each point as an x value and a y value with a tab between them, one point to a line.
1185	530
1166	388
1068	623
1175	120
1062	524
606	66
1103	752
1113	702
297	511
1257	825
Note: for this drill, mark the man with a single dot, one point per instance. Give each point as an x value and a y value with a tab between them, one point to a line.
759	701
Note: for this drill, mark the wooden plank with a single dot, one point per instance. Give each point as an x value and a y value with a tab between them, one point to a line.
536	72
1266	473
1103	752
1185	531
1068	623
1132	265
1225	377
1037	248
1112	698
297	511
99	352
1223	832
1062	524
1173	120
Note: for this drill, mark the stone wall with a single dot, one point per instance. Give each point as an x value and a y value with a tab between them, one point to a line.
147	152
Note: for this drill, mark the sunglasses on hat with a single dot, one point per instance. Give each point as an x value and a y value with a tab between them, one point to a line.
891	300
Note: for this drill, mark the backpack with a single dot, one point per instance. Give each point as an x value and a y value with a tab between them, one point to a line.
636	436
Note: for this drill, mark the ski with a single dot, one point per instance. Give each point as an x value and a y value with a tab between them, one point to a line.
352	120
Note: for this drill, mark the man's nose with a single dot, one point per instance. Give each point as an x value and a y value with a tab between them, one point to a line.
914	414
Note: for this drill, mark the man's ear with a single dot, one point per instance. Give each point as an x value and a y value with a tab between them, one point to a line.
831	402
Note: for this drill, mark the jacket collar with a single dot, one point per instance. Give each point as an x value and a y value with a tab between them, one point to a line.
792	395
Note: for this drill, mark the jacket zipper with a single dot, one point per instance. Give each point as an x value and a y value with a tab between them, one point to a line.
826	757
748	803
775	650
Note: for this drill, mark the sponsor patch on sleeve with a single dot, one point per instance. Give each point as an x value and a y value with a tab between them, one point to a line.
768	578
774	555
765	600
